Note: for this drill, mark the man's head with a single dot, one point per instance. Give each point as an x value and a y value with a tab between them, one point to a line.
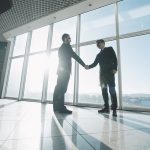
100	43
66	38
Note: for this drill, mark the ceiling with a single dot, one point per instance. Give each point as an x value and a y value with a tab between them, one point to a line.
25	11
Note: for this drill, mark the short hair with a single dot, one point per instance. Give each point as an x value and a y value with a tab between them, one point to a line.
65	35
100	41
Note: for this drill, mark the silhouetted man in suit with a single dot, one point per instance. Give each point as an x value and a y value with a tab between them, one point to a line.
65	55
108	67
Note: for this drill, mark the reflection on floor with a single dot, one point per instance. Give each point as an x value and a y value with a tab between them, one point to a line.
34	126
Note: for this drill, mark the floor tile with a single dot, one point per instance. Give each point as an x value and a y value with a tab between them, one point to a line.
42	128
75	142
6	128
96	125
34	126
123	140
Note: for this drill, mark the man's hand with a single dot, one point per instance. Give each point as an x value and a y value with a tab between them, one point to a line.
114	71
86	67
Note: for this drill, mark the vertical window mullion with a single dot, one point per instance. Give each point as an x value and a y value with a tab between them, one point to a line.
46	74
25	64
76	77
118	55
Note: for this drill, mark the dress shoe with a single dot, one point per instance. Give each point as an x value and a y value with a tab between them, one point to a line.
66	111
104	110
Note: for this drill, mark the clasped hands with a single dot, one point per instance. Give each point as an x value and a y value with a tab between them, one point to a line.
86	67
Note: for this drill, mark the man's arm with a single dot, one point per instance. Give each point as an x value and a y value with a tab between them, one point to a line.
96	61
77	58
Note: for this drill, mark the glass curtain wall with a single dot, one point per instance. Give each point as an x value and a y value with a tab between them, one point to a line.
134	17
99	23
37	62
15	73
35	76
96	24
133	40
89	89
135	71
13	86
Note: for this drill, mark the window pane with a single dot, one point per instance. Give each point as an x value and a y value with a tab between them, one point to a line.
65	26
97	24
134	16
135	71
89	85
14	78
39	39
20	45
89	89
53	63
35	75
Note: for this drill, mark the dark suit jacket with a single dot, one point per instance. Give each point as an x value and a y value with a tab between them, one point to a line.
65	55
107	60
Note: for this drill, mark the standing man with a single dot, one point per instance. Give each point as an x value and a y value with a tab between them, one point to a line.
65	55
108	67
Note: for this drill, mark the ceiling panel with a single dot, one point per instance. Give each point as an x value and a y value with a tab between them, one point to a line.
25	11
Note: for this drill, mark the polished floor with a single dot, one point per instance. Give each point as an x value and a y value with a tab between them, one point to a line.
34	126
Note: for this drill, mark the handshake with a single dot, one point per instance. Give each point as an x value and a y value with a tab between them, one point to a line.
86	67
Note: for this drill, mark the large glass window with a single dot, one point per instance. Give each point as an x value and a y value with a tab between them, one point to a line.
100	23
97	24
89	89
135	71
35	75
20	45
13	86
65	26
134	15
53	64
39	39
89	85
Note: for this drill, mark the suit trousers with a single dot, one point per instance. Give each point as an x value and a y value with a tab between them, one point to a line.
60	90
108	80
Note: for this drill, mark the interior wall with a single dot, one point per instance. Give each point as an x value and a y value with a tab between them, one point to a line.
3	54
